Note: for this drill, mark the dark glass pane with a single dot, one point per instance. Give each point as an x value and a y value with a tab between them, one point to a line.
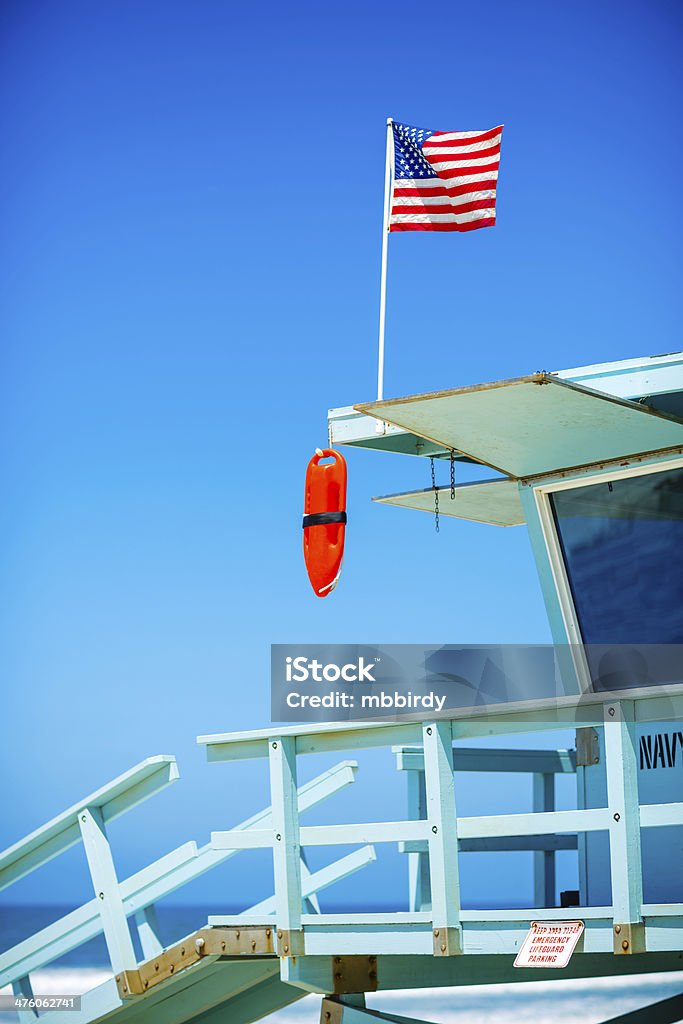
623	549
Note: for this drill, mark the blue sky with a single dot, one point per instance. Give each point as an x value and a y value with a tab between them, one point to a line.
191	197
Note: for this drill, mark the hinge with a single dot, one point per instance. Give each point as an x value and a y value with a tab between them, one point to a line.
629	938
247	940
447	941
587	748
290	943
354	974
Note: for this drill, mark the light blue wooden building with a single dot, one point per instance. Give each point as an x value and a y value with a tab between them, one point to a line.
591	461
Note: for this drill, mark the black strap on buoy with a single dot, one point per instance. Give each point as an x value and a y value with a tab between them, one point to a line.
324	519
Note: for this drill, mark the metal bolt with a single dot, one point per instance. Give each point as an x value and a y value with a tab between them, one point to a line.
624	944
443	947
199	945
610	712
429	730
156	967
617	928
274	746
146	982
82	817
286	948
337	959
279	934
434	829
223	945
101	895
596	759
237	934
172	968
267	933
278	836
338	976
617	817
182	951
436	933
328	1015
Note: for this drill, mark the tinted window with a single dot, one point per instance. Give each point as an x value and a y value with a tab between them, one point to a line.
623	549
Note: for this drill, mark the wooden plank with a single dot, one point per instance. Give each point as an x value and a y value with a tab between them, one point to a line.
419	887
542	715
657	815
286	845
624	820
24	990
114	924
501	844
441	834
544	860
147	924
494	759
315	973
592	820
62	832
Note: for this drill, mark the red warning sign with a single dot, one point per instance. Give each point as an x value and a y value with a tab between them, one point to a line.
549	944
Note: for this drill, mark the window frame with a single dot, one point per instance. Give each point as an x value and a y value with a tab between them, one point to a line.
564	621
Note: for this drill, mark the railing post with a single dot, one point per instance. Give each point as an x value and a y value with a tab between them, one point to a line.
418	863
443	839
286	845
105	882
147	924
309	904
24	990
544	860
624	833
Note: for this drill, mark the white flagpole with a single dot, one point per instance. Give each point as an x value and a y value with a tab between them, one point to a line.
385	239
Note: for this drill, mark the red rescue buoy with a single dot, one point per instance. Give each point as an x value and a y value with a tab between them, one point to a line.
324	520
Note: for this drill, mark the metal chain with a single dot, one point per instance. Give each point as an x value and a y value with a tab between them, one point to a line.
436	495
452	475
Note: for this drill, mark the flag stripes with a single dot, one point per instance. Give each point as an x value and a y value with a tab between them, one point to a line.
444	181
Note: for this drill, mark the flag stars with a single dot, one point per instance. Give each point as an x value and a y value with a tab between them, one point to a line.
408	152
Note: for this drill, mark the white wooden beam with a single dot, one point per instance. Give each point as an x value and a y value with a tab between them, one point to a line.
107	892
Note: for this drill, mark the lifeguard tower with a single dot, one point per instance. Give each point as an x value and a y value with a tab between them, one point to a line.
591	461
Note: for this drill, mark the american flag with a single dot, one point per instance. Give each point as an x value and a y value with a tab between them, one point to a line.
444	181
